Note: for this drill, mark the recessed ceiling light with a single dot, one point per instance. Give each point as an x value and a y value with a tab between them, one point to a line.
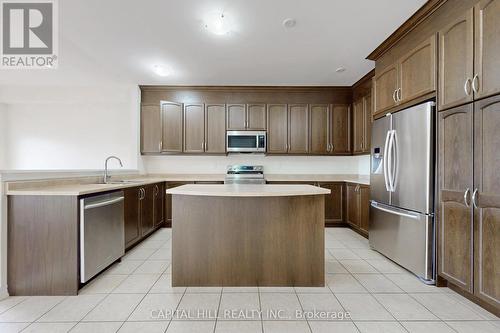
289	23
218	23
340	70
160	70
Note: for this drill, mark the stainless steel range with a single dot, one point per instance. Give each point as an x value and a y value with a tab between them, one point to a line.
245	174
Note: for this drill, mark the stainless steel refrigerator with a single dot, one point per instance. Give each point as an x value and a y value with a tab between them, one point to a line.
402	189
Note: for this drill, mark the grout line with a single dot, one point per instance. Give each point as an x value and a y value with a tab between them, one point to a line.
57	303
218	309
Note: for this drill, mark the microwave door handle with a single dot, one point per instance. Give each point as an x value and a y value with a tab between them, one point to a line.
384	161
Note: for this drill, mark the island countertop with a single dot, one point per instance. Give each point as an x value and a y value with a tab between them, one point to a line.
244	190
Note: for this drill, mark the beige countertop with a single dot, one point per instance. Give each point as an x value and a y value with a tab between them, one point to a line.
247	190
76	186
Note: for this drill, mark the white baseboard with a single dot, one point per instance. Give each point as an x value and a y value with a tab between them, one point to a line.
3	293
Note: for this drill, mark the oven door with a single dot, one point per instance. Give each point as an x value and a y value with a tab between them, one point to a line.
246	141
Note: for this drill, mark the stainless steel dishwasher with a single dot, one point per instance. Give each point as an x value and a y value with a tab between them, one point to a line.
102	232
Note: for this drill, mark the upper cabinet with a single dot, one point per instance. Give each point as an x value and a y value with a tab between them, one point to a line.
456	56
277	128
194	128
298	128
242	117
215	128
171	121
319	116
340	129
412	76
486	80
469	50
362	124
151	128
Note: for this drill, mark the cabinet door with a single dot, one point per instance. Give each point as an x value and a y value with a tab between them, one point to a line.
159	203
364	208
319	129
132	216
358	119
334	202
417	71
194	128
385	85
147	210
277	128
236	117
456	57
487	47
352	204
256	116
367	123
487	215
150	128
215	128
455	177
340	129
171	119
298	129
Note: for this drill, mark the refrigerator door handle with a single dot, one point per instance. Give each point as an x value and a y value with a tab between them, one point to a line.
396	159
395	211
390	161
384	161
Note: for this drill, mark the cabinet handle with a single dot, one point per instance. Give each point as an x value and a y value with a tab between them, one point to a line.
394	96
399	93
161	145
467	86
475	83
466	197
475	200
157	190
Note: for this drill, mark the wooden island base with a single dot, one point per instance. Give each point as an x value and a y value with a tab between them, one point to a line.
248	241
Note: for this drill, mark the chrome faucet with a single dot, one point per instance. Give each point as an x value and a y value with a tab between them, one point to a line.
106	177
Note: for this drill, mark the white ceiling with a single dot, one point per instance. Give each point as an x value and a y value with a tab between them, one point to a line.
119	41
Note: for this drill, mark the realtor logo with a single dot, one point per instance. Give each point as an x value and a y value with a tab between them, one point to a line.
28	36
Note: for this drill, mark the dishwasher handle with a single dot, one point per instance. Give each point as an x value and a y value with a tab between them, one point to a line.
103	203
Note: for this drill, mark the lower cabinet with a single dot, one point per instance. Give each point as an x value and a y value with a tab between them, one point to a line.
334	203
144	211
358	207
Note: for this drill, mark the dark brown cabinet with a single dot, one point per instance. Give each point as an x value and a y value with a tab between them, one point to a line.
298	129
171	121
410	77
194	128
455	185
151	128
277	128
319	117
159	204
362	124
334	203
246	117
456	56
204	128
469	198
340	129
215	128
352	217
132	216
358	207
144	211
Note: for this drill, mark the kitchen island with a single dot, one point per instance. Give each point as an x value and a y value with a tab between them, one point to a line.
248	235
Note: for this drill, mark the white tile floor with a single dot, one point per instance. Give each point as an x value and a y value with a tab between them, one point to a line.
379	295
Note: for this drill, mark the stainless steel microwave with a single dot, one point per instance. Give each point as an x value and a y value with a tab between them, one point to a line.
246	141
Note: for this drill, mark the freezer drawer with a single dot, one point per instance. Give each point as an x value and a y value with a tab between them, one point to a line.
405	237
